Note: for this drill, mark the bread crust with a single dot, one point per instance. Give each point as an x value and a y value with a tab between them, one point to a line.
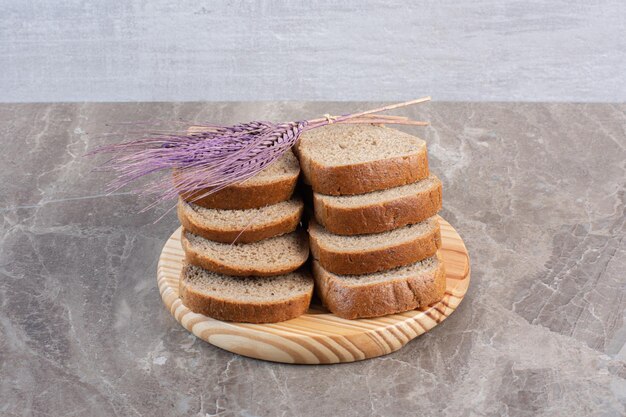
248	312
214	265
365	177
254	233
379	299
378	259
244	196
378	217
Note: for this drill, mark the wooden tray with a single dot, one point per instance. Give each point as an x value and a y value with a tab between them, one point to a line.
318	336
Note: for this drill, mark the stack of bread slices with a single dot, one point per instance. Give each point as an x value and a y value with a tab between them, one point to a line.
373	232
244	249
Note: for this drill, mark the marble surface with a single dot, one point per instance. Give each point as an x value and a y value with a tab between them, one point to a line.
536	190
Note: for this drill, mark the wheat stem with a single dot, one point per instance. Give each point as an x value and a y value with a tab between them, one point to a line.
323	120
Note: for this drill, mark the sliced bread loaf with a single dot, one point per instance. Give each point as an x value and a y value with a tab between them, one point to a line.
242	226
274	256
358	159
245	299
373	295
272	185
379	211
365	254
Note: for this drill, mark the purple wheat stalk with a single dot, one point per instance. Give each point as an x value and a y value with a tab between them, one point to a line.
217	156
209	160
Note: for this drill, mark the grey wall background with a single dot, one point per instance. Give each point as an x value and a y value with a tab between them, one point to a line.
118	50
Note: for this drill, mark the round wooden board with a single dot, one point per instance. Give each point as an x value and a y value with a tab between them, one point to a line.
318	336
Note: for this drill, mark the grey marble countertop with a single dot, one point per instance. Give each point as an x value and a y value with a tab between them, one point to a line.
536	190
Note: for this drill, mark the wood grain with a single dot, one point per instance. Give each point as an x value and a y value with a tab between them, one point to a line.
318	337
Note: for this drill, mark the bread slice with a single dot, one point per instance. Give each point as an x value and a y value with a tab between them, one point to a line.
245	299
379	211
365	254
242	226
274	256
373	295
358	159
270	186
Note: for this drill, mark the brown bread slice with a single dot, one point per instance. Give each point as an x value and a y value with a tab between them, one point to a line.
272	185
274	256
245	299
242	226
373	295
358	159
364	254
379	211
